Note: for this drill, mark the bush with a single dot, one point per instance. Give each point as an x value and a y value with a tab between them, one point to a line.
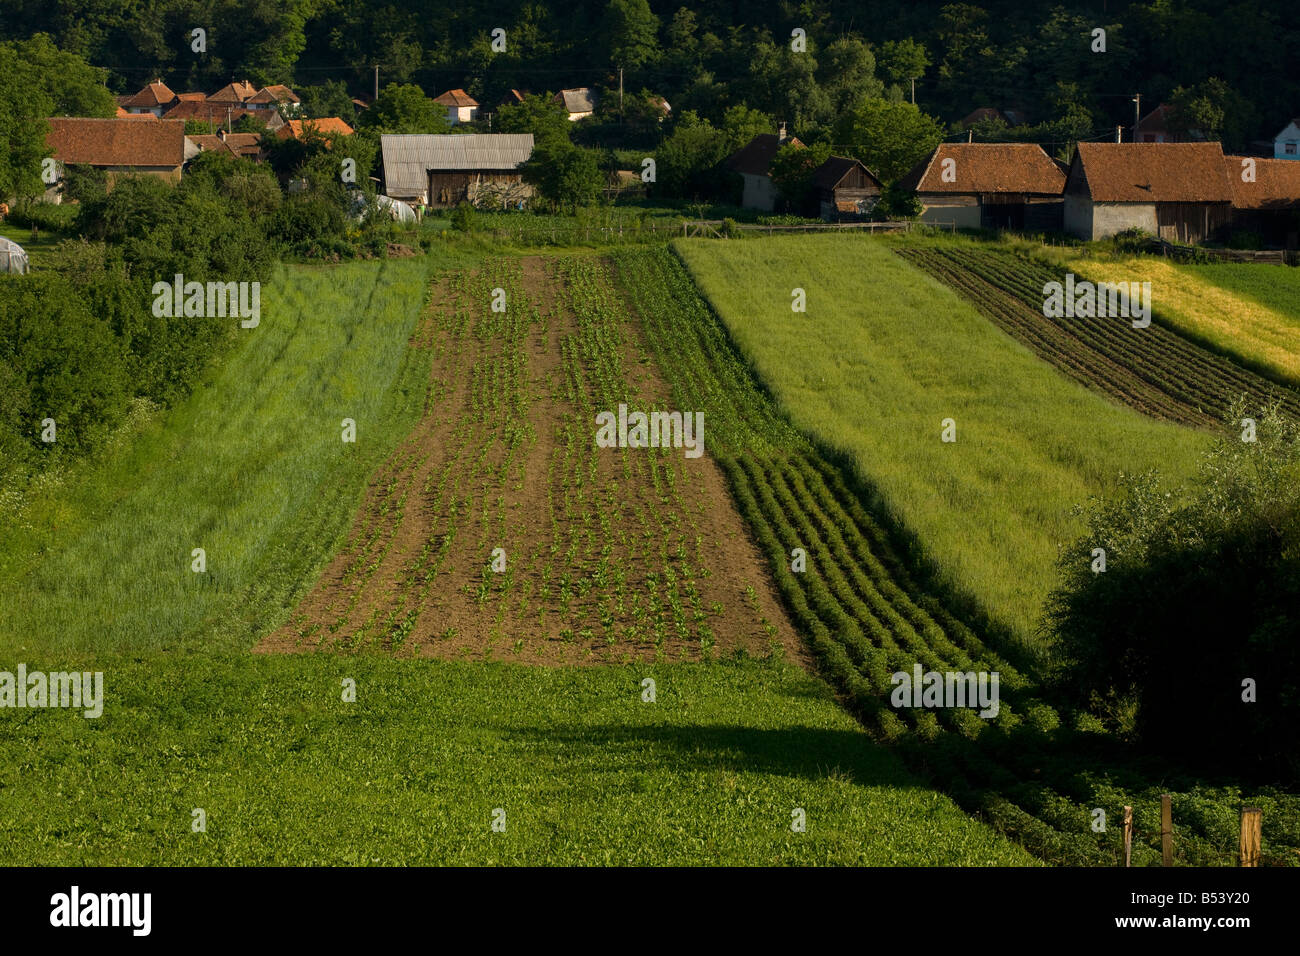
1198	594
463	218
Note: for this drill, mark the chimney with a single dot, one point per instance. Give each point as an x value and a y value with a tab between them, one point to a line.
780	133
1119	134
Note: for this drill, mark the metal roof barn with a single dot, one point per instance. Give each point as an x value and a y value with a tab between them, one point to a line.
409	158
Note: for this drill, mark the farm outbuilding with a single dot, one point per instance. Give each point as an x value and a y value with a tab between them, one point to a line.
1266	198
1177	191
13	260
446	169
843	187
989	186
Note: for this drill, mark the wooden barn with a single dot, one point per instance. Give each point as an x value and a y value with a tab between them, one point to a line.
445	170
844	188
1178	191
989	186
1266	198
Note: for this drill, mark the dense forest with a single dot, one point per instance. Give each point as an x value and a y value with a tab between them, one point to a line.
1225	62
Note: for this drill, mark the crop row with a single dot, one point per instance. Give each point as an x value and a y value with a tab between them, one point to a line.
865	614
1194	385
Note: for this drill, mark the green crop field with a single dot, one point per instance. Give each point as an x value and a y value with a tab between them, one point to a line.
883	355
251	468
285	771
865	602
411	772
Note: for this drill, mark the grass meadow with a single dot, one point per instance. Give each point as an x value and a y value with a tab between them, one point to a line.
882	356
1245	311
251	468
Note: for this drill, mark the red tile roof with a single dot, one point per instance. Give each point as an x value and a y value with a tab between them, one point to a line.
1276	185
1155	172
275	94
154	95
234	93
209	112
456	98
325	126
114	142
207	143
987	168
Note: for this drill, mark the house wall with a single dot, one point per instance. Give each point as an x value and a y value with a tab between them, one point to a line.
461	114
865	198
1287	144
942	209
1104	219
1044	215
759	193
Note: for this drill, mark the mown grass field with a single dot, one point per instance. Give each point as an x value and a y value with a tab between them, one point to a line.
251	468
883	355
1246	311
410	774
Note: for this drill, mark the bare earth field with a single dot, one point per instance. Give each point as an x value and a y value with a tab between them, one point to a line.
611	555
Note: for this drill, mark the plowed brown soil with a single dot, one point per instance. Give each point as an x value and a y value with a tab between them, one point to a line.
611	555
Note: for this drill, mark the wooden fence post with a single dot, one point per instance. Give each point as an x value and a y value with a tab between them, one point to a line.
1128	836
1252	819
1166	830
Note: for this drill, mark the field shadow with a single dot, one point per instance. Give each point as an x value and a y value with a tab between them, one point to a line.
808	753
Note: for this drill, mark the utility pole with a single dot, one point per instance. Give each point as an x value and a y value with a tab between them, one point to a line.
913	91
620	94
376	81
1137	114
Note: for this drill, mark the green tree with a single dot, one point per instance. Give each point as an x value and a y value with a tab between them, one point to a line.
847	73
686	162
889	138
792	170
1211	109
404	109
566	175
630	31
328	99
902	61
542	116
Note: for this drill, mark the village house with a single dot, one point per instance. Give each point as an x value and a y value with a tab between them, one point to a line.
233	94
155	99
989	186
275	98
1154	127
461	107
447	169
753	162
844	188
1286	144
119	146
579	103
1177	191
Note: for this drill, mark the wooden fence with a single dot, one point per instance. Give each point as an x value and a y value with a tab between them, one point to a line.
1288	257
1249	843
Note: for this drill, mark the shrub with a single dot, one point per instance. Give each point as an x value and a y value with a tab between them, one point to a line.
1198	594
463	218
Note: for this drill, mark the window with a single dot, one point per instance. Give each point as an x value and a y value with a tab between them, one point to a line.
1289	149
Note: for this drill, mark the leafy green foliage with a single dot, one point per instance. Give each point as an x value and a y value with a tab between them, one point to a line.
793	168
403	108
1200	592
889	138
